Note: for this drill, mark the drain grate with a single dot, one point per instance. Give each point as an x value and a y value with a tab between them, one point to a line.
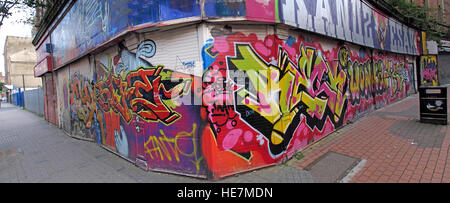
331	167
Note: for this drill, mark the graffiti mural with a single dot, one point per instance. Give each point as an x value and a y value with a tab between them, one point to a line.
381	24
143	93
234	101
265	99
375	80
172	149
82	106
429	67
63	101
139	110
86	24
262	100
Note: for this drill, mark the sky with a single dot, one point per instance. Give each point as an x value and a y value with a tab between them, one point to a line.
11	28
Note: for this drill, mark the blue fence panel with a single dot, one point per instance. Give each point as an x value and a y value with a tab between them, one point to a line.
17	98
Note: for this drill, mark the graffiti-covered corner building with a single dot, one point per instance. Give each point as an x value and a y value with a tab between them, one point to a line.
215	88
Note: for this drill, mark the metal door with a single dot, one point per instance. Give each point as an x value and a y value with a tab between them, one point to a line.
139	132
50	99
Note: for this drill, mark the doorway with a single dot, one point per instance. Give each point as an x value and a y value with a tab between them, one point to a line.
50	99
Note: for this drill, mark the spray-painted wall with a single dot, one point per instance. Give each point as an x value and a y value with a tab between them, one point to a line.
245	97
215	99
85	25
137	99
429	70
266	98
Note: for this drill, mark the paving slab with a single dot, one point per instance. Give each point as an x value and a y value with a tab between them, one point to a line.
48	155
331	167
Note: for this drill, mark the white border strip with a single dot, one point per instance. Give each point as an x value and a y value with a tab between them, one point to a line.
353	172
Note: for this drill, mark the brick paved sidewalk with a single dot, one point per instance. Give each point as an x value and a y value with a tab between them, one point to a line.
393	145
390	143
34	151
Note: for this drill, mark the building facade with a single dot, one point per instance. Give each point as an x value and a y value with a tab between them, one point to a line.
3	90
2	78
439	10
215	88
20	60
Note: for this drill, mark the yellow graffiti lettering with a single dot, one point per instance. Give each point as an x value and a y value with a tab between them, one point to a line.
162	147
264	77
275	92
